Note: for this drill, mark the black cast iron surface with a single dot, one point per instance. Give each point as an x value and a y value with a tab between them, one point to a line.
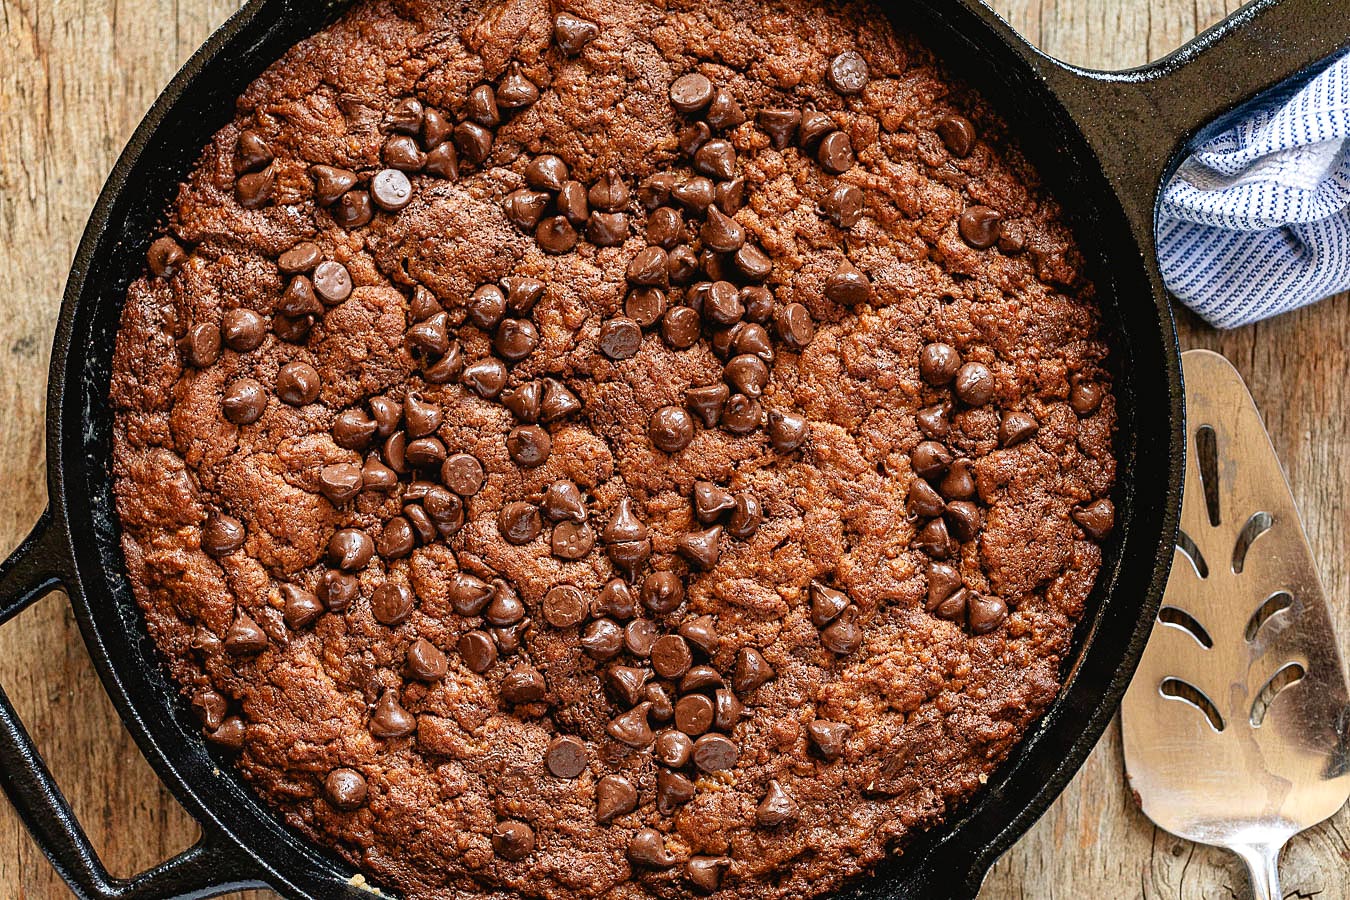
1103	143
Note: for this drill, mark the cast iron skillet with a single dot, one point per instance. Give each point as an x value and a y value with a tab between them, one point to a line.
1103	141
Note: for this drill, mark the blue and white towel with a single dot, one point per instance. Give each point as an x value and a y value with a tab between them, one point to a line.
1256	221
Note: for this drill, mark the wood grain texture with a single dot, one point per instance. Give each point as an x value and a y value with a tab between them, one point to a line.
75	78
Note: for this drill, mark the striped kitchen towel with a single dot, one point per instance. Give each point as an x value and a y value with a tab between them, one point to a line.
1256	221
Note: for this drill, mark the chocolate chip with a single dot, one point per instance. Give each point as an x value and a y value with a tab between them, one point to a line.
445	509
828	738
1086	397
787	430
625	524
524	684
607	229
422	418
933	421
701	633
700	678
230	734
301	258
843	636
626	683
515	339
402	154
648	267
980	226
721	232
673	748
985	613
505	607
406	116
564	606
844	205
742	414
671	658
572	541
826	604
693	136
724	111
390	720
664	227
959	482
299	298
958	134
222	534
974	384
848	286
847	72
963	520
814	126
486	378
715	753
345	789
752	338
566	756
1097	519
746	516
330	183
572	33
953	608
835	153
425	453
780	125
716	159
620	338
301	608
332	282
478	651
673	790
648	848
609	193
391	190
337	590
671	429
516	91
729	195
929	459
443	161
397	539
395	452
934	540
525	208
795	326
528	445
938	363
728	710
694	714
243	401
753	263
615	600
662	592
425	661
602	639
350	549
436	133
252	152
695	194
943	581
558	402
340	482
657	695
747	374
639	636
481	106
353	209
681	327
572	203
431	336
556	235
201	345
513	840
615	796
631	728
518	522
777	807
629	555
563	501
463	474
752	670
473	141
244	637
924	500
690	93
165	257
376	476
700	547
254	191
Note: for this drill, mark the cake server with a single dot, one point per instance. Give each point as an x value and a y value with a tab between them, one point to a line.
1236	724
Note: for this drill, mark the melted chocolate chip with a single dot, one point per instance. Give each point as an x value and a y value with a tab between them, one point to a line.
615	796
1097	519
980	226
847	72
345	789
513	840
572	33
478	651
671	429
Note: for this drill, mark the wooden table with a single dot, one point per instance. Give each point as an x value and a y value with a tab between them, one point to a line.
75	78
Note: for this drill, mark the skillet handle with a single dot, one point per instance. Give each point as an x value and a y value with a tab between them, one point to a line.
1138	121
214	865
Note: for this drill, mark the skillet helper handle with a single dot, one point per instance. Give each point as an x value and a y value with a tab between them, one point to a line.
1138	121
212	866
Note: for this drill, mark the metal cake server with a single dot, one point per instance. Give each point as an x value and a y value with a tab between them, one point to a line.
1237	725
